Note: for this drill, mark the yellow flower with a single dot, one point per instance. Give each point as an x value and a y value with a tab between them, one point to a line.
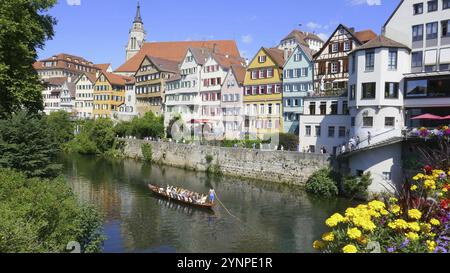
431	245
318	245
328	237
432	235
426	228
412	236
435	222
445	190
429	184
399	224
354	233
414	188
362	240
415	214
396	209
376	205
416	178
414	226
350	249
334	220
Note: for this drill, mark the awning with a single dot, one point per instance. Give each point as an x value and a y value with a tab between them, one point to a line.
427	117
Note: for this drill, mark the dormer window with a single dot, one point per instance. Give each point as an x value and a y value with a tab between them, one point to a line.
418	9
262	59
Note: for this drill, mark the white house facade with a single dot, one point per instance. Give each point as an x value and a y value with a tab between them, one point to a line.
84	96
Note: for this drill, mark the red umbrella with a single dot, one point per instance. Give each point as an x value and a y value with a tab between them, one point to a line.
447	117
428	117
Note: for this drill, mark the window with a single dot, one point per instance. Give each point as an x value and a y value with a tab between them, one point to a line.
318	131
367	121
270	73
432	31
342	131
308	131
368	90
331	131
334	107
370	60
345	110
335	47
391	90
417	33
304	72
445	4
446	27
261	109
353	92
254	74
334	67
347	45
353	63
353	121
269	109
323	108
389	122
387	176
432	5
297	57
392	62
418	8
262	59
312	108
417	59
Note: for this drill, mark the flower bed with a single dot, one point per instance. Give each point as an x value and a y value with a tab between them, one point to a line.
441	132
415	221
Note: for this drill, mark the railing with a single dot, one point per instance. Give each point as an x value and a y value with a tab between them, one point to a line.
377	139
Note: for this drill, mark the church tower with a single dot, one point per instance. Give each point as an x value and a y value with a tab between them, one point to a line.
137	35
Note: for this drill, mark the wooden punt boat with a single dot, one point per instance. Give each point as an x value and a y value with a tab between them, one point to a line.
155	190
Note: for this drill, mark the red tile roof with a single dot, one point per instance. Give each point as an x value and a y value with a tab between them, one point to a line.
115	79
277	55
239	73
176	51
365	35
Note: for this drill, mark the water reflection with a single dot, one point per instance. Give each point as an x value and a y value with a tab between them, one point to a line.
272	217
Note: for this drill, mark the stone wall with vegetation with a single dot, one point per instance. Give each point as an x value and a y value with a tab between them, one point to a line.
284	167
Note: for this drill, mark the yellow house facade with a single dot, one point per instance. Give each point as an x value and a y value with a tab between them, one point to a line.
263	93
151	80
109	94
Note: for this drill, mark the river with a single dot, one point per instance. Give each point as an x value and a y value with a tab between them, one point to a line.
268	217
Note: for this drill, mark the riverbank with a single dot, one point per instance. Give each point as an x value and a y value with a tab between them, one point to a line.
274	166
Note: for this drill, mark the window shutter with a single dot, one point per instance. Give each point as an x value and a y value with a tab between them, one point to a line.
338	67
329	68
330	48
351	44
345	65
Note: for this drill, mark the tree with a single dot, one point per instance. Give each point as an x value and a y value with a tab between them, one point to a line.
149	125
24	28
27	145
60	126
40	215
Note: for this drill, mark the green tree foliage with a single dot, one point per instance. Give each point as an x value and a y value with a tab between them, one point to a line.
149	125
95	137
61	126
322	183
24	28
27	145
289	142
39	215
147	152
355	186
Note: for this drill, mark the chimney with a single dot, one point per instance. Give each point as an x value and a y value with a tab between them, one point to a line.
214	47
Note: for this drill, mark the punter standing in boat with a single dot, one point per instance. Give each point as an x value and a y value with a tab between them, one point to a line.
212	196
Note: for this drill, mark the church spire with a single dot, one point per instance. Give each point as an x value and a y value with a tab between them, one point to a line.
138	18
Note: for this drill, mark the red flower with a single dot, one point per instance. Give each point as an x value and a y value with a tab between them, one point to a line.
428	169
445	204
447	187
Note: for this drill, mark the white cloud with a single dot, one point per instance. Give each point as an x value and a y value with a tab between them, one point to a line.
314	25
247	39
73	2
365	2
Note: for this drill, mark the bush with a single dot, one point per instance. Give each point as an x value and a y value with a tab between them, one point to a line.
39	215
147	152
289	142
354	186
148	126
322	183
60	126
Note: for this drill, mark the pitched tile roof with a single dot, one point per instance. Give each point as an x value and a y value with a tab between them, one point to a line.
365	35
227	61
116	79
91	77
277	55
239	73
176	51
381	41
103	67
301	37
164	64
56	81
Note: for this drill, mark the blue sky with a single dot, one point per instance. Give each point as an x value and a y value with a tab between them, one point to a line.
98	29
